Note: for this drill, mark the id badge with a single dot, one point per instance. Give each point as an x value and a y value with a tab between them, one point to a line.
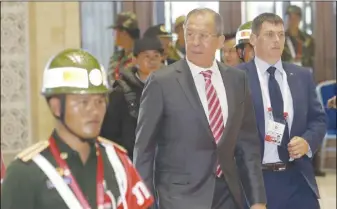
274	133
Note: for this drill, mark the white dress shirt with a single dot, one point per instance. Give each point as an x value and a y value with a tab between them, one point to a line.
271	150
218	84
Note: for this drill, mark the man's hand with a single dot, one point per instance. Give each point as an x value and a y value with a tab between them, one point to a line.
297	147
258	206
332	102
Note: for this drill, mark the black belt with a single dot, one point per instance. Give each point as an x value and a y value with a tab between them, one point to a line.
277	166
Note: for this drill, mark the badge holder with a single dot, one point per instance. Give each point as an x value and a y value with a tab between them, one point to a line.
275	129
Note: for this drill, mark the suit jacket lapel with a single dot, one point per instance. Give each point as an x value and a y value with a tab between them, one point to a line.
230	94
186	82
257	97
293	84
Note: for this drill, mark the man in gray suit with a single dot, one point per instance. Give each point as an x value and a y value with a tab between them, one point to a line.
196	133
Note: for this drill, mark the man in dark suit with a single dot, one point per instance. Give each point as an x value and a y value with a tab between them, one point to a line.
196	131
284	95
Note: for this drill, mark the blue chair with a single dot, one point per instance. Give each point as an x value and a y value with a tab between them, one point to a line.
325	91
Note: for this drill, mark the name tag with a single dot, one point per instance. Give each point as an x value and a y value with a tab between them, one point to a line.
274	133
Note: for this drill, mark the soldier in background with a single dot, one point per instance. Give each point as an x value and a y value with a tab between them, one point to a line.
229	56
299	49
74	168
170	52
243	47
121	117
299	46
179	30
126	32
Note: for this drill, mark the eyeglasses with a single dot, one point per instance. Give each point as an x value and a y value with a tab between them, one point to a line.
200	36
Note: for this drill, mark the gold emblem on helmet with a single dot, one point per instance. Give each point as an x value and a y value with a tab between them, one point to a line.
245	33
163	29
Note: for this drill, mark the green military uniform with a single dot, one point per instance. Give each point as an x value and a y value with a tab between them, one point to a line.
301	46
121	60
178	23
160	32
25	185
180	50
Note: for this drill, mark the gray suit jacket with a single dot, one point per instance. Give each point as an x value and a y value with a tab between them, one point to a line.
175	151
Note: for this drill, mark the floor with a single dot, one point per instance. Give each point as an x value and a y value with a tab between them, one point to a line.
327	188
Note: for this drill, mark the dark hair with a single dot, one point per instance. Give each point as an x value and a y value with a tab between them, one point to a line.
147	43
229	36
133	33
265	17
218	22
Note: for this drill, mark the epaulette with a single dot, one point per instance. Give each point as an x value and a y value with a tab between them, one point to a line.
107	141
32	151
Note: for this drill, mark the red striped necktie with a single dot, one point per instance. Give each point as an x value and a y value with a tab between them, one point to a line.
215	116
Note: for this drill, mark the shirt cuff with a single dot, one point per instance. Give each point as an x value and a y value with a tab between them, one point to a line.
309	153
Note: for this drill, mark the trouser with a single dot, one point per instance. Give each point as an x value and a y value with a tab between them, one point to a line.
222	198
288	189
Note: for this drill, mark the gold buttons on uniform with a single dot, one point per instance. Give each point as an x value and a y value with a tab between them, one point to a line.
64	155
60	171
66	172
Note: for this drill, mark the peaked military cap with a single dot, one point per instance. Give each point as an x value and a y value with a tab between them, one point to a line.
157	30
126	20
293	9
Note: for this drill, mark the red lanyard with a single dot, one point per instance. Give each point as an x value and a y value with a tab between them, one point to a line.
270	114
73	183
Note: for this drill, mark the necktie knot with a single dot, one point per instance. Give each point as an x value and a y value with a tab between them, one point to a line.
207	74
271	70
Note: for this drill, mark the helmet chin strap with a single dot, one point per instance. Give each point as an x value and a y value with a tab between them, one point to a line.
62	119
242	54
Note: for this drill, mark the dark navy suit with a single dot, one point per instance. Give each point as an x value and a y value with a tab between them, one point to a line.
295	188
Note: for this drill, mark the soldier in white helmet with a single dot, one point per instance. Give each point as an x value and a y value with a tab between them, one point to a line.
243	47
74	168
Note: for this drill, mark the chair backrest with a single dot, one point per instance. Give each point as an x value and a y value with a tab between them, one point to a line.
331	117
326	90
